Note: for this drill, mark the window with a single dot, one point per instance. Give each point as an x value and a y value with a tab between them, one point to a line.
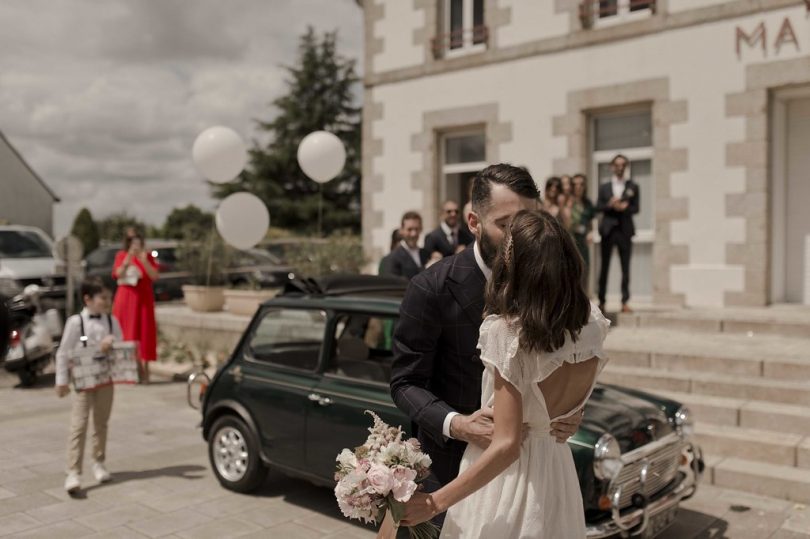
102	257
605	12
289	338
462	156
362	347
629	133
463	30
23	244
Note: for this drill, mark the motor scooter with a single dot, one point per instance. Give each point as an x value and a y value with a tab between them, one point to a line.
33	334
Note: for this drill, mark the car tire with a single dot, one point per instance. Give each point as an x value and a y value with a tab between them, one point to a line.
28	376
233	451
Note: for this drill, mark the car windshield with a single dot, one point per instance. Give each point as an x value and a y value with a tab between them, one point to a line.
23	244
255	257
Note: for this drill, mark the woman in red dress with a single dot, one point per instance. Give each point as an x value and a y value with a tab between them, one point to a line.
134	305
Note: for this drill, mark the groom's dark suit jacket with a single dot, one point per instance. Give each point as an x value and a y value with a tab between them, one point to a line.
436	367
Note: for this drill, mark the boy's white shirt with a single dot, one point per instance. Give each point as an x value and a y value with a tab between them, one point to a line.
95	329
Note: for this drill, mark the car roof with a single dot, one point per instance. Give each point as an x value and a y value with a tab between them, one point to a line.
22	228
345	292
372	303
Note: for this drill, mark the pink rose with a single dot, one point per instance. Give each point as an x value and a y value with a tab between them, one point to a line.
381	479
404	484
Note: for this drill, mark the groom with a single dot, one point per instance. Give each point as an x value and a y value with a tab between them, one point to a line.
436	374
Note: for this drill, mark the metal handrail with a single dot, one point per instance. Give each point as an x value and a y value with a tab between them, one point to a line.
454	40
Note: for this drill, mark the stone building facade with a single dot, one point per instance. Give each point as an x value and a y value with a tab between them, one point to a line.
710	100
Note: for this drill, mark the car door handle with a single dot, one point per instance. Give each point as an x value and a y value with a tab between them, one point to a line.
323	401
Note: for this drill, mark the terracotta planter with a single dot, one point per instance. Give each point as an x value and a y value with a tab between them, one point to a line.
245	302
204	299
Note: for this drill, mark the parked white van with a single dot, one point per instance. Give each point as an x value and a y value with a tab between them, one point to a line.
28	256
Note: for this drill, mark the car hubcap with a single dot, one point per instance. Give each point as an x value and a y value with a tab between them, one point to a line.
230	454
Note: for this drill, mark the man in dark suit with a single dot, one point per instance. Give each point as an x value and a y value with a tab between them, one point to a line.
618	203
407	260
436	374
449	238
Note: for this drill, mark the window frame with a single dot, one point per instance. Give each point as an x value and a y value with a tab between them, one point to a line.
331	347
446	169
247	351
623	13
467	29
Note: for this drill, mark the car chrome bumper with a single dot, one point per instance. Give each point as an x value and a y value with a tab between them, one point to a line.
634	521
201	379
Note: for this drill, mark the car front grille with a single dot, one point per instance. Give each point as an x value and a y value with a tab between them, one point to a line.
663	467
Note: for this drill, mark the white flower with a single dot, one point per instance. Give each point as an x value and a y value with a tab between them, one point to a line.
392	451
404	484
347	459
380	479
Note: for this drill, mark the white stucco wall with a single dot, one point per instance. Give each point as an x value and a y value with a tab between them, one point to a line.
702	65
23	199
531	20
396	29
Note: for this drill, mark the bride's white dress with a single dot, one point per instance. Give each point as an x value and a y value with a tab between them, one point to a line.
538	496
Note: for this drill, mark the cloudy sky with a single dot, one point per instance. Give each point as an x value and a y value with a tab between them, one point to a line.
104	98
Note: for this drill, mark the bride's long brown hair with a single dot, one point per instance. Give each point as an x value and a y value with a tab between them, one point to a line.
537	279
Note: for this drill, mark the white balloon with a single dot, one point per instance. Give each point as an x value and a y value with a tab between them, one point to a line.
321	156
242	220
219	154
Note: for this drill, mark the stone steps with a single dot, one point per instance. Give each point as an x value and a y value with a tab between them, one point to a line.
781	358
744	374
778	481
768	446
750	414
709	383
780	320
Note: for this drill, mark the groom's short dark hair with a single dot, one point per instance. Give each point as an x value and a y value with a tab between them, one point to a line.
517	179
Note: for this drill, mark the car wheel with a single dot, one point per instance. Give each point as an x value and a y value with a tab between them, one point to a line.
28	376
234	455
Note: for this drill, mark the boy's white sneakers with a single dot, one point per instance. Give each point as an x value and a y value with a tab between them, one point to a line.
72	482
100	472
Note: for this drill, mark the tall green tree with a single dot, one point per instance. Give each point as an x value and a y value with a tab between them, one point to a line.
320	94
86	229
188	221
113	227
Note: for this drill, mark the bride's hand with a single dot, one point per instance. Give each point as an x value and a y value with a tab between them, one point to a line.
420	508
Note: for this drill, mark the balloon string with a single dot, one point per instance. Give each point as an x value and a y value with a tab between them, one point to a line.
210	257
320	210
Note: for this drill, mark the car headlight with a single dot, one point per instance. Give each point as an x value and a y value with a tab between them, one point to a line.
607	457
9	287
684	423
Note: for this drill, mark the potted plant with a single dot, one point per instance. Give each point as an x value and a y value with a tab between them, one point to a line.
244	299
205	259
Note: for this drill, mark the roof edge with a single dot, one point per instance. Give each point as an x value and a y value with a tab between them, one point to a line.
28	167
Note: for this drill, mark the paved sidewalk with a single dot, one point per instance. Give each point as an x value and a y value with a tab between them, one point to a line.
163	485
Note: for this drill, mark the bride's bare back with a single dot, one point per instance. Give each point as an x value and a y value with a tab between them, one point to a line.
566	389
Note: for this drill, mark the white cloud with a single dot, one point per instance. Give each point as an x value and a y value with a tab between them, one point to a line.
104	99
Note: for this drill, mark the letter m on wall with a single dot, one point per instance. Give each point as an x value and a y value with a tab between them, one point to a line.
757	36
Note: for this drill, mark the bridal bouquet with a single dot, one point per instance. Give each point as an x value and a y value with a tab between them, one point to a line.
381	475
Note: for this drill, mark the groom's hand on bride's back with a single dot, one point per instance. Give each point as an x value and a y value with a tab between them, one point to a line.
477	428
566	427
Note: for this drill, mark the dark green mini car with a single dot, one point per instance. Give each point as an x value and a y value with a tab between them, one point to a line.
314	358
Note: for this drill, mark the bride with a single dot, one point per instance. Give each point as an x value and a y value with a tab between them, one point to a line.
541	345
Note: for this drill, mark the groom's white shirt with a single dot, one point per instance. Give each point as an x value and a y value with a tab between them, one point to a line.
488	274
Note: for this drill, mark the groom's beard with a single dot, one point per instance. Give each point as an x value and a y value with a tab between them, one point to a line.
488	248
